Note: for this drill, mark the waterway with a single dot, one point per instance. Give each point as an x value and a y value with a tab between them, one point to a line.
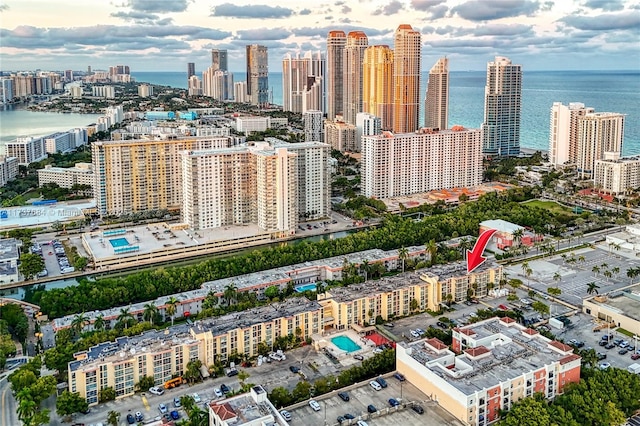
19	292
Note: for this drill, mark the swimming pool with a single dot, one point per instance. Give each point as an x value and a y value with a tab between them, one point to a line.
306	287
345	343
119	242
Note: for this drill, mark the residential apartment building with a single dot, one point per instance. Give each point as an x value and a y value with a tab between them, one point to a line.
436	106
27	150
377	84
313	183
8	169
240	92
145	174
563	132
368	125
247	124
313	126
165	354
191	69
79	174
358	305
195	86
336	42
232	186
219	59
217	84
406	79
258	75
6	90
494	363
249	409
9	256
145	91
340	135
357	42
598	133
409	163
303	82
617	176
108	92
502	109
65	141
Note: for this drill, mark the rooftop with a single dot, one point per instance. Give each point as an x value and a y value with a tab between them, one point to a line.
25	216
153	340
625	302
456	269
248	408
502	351
501	225
9	249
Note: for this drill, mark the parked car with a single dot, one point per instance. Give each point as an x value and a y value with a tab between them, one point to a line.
286	415
176	402
393	402
604	365
375	385
361	423
623	351
196	398
294	369
399	376
139	416
314	404
610	346
442	325
344	396
130	419
224	389
635	356
156	390
358	357
414	334
389	324
217	392
382	382
601	356
163	408
349	416
371	408
603	343
418	409
175	415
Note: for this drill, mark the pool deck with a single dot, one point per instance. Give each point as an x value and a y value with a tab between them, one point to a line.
346	358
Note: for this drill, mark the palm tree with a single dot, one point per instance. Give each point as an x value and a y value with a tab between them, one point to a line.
607	274
557	277
113	417
403	253
364	267
78	323
465	245
595	270
149	313
171	305
432	249
517	235
320	287
633	273
525	266
99	323
124	317
230	293
592	287
581	259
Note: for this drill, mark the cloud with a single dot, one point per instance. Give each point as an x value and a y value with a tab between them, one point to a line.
321	32
608	5
263	34
502	30
346	9
137	17
605	21
484	10
305	12
251	12
425	5
4	7
159	6
438	12
390	9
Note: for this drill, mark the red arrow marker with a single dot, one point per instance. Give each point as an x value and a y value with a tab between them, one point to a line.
474	257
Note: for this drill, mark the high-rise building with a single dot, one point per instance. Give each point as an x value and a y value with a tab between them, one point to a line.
240	92
303	82
139	175
377	84
217	84
436	106
502	109
617	175
410	163
367	125
313	126
258	75
145	90
340	135
336	42
598	133
27	150
406	79
191	69
219	59
195	86
357	42
563	132
8	169
68	75
6	90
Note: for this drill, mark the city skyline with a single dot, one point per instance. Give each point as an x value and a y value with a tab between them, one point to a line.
165	36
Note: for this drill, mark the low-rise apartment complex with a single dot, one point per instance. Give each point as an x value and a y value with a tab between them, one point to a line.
8	169
617	176
79	174
494	363
165	354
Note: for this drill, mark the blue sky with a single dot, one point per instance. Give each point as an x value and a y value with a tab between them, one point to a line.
163	35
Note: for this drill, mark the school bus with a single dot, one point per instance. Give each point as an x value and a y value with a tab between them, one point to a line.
170	384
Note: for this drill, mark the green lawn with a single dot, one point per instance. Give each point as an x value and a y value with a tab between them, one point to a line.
552	206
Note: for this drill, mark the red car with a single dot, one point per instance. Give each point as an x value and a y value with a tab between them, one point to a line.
635	356
503	308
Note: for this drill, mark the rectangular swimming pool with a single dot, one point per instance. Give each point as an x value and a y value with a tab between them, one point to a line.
306	287
119	242
345	343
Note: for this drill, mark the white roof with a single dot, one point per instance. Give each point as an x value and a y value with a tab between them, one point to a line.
501	225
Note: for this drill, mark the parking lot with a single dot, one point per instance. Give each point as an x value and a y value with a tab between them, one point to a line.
332	406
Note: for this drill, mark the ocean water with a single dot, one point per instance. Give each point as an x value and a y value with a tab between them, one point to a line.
606	91
611	91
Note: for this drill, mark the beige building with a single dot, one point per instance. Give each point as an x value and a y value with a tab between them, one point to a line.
598	133
357	42
406	79
340	135
410	163
621	308
300	93
563	132
27	150
377	84
79	174
258	74
144	174
617	176
8	169
336	42
165	354
494	363
436	106
249	409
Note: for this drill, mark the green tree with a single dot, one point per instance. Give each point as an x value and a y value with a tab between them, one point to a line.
106	394
145	383
98	324
192	374
113	417
541	308
403	254
69	403
592	287
80	263
301	391
30	265
280	397
124	318
554	291
528	412
171	306
272	292
150	311
78	323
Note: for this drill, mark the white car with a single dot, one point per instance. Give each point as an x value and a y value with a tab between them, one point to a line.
217	392
375	385
156	390
196	397
163	408
314	404
604	365
414	334
362	423
286	415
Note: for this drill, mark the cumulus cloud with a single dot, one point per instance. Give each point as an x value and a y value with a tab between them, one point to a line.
390	9
155	6
485	10
259	11
141	17
263	34
4	7
425	5
608	5
321	32
605	21
305	12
